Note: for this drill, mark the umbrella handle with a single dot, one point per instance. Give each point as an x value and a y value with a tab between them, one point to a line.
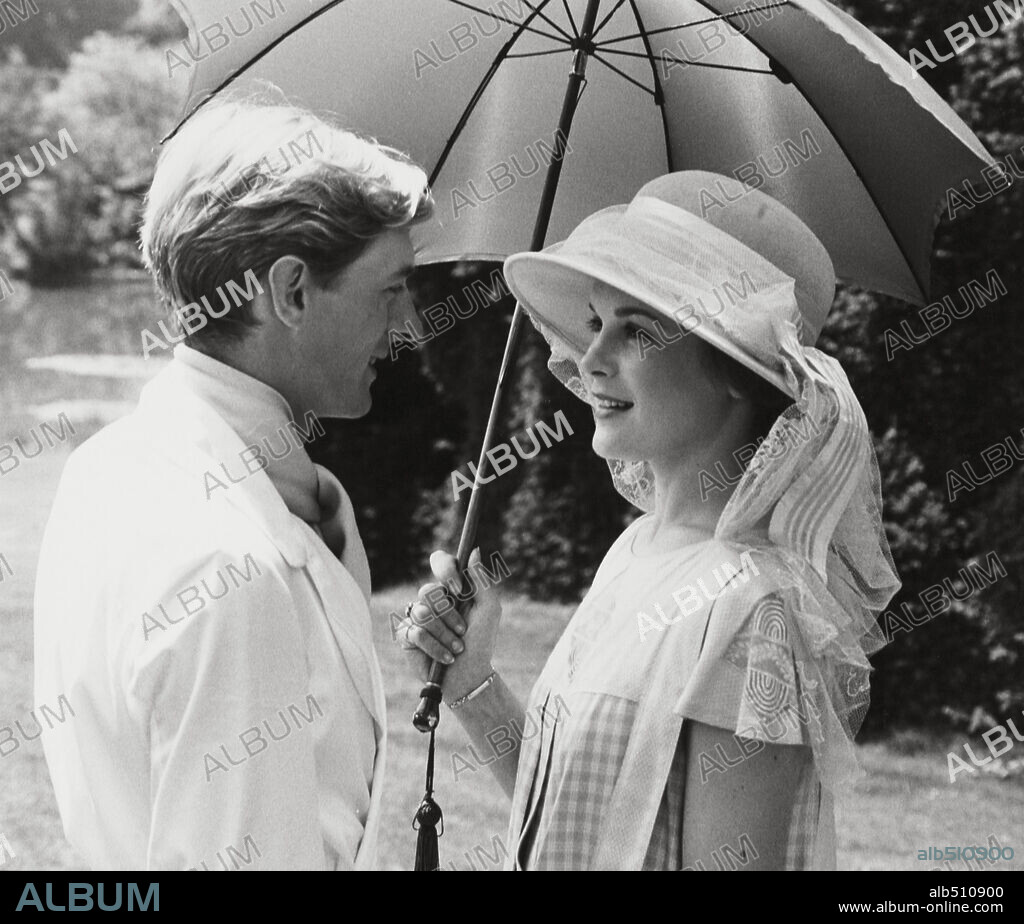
426	717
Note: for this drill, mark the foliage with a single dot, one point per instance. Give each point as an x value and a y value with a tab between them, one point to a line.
115	102
49	37
21	90
115	97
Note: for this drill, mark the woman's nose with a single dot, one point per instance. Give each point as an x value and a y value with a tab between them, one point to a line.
595	361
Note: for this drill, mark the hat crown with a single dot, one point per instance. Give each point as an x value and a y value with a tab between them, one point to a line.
762	224
746	275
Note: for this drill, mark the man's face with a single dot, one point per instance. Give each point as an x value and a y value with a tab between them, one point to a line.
346	330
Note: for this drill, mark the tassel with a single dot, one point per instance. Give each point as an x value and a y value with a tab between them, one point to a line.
428	817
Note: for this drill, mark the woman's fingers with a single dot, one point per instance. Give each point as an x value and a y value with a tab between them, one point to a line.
432	647
446	568
435	630
436	603
423	618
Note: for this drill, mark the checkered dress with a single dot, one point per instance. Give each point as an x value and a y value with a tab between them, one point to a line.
601	781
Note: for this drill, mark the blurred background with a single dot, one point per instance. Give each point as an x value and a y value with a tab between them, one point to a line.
73	302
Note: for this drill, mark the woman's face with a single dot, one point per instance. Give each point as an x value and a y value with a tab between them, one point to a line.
659	408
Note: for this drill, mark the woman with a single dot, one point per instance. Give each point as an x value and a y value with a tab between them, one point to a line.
699	710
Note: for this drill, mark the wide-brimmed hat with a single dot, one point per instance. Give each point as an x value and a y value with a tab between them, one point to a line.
717	258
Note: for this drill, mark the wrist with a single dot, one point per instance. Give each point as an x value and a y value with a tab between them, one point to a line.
484	680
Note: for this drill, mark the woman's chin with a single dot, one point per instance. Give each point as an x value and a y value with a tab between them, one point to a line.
609	448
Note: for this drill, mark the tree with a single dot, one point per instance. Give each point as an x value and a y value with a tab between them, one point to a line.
47	38
114	101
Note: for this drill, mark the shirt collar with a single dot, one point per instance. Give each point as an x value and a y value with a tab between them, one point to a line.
261	417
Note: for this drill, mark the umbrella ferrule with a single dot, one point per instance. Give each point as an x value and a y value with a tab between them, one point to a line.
579	61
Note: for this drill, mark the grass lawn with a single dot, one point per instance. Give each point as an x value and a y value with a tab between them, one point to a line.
904	804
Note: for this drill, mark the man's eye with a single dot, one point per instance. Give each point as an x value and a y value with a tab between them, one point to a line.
594	323
631	330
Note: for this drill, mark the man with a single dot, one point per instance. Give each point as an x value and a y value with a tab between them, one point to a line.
202	595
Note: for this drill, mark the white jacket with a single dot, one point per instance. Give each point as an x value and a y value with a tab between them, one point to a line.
186	634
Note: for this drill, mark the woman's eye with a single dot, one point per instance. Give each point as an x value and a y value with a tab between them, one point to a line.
594	323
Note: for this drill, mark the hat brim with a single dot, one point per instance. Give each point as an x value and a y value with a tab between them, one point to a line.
555	291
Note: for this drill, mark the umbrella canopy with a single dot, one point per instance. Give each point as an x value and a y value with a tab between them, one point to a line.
792	96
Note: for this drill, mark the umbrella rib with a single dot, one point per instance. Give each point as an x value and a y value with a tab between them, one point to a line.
698	22
572	21
512	22
607	18
724	67
539	10
478	93
624	75
659	92
537	54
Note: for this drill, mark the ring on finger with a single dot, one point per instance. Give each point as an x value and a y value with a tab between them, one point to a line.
403	641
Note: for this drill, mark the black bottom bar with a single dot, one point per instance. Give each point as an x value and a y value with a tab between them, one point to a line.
996	894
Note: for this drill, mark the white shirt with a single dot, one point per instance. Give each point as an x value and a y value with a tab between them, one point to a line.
246	732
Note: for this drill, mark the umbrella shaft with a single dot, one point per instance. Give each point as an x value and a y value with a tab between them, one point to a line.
426	716
569	104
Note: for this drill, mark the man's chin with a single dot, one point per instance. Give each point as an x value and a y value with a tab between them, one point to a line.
359	407
349	413
350	409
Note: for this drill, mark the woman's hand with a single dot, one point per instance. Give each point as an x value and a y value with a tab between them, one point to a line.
436	631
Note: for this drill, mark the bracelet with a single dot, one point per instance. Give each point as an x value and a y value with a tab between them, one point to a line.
462	700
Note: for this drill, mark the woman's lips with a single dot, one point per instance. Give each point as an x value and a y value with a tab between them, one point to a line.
607	406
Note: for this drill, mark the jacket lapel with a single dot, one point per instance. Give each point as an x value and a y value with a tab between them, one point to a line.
334	583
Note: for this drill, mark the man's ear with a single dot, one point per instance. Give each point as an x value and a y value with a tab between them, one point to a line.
289	281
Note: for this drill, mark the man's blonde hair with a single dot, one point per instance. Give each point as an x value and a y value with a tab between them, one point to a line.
245	183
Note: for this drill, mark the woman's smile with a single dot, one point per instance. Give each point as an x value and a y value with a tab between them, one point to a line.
606	406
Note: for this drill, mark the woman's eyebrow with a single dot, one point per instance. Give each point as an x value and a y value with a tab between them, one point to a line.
628	310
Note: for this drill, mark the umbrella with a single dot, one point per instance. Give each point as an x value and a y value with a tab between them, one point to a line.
536	114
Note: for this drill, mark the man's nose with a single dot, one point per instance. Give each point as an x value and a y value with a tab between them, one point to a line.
403	312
